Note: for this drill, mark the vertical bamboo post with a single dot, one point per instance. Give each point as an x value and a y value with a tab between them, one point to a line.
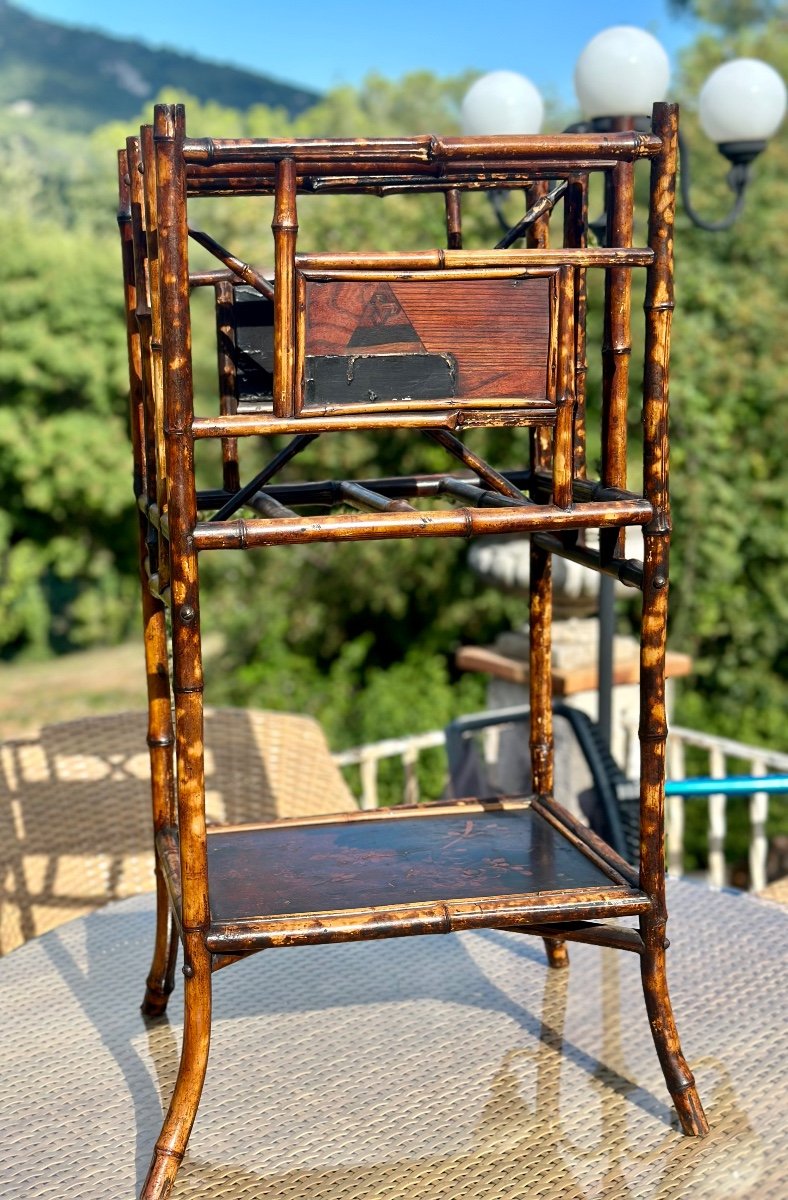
563	439
575	234
133	346
616	351
656	538
160	739
659	304
228	402
538	238
285	229
617	337
177	380
143	318
540	670
149	164
451	199
173	302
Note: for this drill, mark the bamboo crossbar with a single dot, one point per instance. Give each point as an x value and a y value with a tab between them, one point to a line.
268	506
366	499
235	265
537	260
591	842
618	937
252	181
540	208
628	571
408	152
211	278
348	418
479	497
494	479
328	491
463	522
239	498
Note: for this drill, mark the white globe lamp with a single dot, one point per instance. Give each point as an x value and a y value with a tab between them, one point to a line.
501	102
620	73
742	101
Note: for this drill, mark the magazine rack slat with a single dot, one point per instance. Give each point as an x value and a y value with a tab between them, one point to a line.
433	342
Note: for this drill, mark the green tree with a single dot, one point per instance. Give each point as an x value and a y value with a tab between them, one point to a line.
730	599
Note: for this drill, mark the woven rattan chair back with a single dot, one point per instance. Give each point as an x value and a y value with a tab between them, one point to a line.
75	805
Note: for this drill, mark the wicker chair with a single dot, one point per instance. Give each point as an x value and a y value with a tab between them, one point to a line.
75	805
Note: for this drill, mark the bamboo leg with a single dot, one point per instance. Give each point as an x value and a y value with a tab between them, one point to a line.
656	543
653	736
557	953
161	977
160	737
678	1076
171	1144
541	702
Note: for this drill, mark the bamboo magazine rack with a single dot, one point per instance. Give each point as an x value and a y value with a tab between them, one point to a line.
432	342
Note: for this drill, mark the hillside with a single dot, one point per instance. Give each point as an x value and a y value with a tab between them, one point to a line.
78	79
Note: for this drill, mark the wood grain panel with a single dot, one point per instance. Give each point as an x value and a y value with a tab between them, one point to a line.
496	330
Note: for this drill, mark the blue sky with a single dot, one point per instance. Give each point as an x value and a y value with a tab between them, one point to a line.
321	43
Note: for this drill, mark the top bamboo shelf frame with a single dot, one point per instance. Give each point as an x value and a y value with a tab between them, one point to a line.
432	342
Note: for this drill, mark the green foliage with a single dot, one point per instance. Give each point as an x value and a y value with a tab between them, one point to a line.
360	636
730	15
730	438
66	536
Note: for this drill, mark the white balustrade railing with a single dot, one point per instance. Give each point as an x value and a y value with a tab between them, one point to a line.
716	754
407	749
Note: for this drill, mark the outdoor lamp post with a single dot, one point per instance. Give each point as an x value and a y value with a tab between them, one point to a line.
618	76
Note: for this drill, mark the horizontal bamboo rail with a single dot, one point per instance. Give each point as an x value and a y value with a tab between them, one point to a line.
628	571
463	522
328	491
533	261
252	180
408	152
533	412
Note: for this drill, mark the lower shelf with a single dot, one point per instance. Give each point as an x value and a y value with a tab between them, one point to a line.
399	871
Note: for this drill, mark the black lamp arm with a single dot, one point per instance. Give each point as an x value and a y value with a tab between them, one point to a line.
740	156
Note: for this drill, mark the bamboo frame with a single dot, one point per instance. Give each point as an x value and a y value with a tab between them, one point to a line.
228	404
617	336
285	229
575	226
552	500
453	219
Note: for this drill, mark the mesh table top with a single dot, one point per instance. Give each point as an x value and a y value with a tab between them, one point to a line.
442	1067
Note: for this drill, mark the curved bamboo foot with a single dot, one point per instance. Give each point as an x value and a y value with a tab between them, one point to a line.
161	977
557	953
678	1076
171	1144
160	1179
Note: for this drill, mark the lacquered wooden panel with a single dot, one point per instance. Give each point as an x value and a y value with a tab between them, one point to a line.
366	864
495	333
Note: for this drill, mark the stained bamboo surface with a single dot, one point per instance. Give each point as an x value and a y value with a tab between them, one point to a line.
427	343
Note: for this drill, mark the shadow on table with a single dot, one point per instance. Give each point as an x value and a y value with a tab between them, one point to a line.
527	1117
